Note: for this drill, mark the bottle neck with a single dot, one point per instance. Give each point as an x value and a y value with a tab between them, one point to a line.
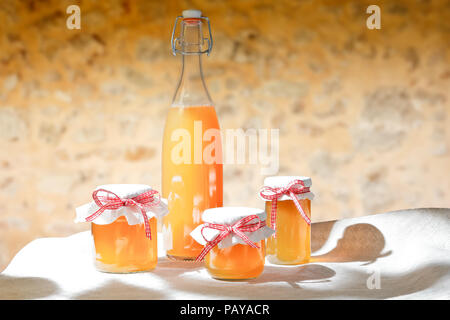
191	89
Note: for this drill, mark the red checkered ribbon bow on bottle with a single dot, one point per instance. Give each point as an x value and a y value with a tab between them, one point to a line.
112	201
238	229
292	189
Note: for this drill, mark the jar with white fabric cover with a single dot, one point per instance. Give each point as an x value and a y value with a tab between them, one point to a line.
288	205
123	226
233	240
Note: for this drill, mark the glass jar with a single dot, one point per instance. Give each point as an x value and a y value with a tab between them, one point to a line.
227	254
291	243
239	262
123	227
121	248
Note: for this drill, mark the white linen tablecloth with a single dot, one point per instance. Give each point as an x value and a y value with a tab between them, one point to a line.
396	255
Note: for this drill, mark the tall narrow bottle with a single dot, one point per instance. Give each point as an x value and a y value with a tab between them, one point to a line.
192	178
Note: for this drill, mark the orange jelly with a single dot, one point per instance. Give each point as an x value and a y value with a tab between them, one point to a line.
292	244
124	248
292	241
236	263
235	238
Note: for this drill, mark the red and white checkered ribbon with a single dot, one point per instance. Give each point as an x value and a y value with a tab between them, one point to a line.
112	201
292	189
238	228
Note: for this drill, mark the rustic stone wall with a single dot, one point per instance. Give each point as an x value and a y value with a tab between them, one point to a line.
365	113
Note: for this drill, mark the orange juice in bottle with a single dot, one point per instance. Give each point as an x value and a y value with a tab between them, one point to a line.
192	154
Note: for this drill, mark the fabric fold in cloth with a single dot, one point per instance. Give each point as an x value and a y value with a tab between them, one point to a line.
396	255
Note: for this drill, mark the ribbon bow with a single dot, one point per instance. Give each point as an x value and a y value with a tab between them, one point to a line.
142	201
292	189
238	228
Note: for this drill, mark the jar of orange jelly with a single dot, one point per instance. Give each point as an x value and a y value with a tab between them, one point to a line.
233	240
288	205
123	226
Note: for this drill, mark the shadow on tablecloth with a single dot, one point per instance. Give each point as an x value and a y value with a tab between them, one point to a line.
23	288
360	242
293	275
118	290
295	283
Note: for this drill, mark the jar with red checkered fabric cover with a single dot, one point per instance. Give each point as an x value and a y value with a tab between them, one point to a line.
233	240
123	226
288	206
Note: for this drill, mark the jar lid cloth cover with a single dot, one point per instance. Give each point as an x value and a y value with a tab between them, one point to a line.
229	216
135	197
280	182
281	188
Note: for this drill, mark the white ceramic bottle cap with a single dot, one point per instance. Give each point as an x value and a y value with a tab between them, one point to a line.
192	14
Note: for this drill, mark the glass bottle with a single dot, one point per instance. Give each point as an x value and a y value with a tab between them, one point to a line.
192	178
